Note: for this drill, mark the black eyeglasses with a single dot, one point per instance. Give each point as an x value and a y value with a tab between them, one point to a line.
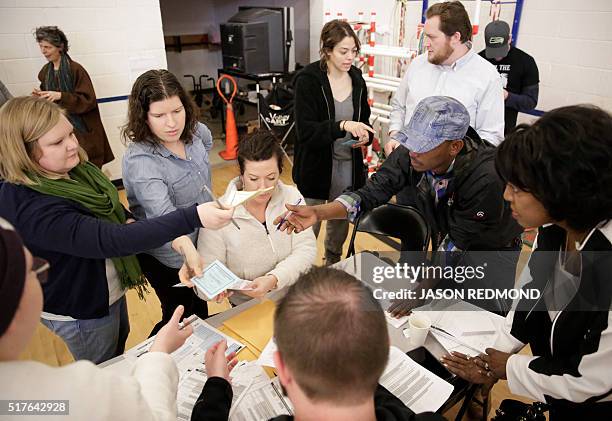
41	268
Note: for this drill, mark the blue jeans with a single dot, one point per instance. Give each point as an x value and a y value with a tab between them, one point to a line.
96	340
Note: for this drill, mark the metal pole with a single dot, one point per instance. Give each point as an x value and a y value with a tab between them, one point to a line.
518	9
425	7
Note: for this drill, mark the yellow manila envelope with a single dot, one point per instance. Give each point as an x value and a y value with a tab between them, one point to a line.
255	325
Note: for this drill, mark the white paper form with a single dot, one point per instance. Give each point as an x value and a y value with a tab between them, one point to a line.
190	387
471	331
262	402
419	389
191	354
215	279
189	390
267	355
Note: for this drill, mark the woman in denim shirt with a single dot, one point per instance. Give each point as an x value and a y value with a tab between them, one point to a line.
165	168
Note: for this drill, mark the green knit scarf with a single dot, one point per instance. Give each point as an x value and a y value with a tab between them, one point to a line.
89	187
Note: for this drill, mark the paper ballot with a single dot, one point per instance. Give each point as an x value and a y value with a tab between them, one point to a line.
262	401
188	357
244	375
238	197
215	279
419	389
267	355
468	331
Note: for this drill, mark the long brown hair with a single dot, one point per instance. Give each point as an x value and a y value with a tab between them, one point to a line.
150	87
334	32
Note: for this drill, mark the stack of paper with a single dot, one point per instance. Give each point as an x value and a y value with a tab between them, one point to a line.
262	401
188	357
244	376
468	332
419	389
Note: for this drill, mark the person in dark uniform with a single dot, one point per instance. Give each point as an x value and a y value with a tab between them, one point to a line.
518	70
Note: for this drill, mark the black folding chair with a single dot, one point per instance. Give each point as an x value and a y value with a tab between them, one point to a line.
276	113
405	223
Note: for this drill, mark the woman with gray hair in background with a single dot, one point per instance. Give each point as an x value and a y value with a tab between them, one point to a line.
67	83
5	95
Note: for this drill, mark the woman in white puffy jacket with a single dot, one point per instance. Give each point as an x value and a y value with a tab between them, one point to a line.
257	251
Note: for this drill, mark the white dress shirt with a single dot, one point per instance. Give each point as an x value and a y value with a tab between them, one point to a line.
471	80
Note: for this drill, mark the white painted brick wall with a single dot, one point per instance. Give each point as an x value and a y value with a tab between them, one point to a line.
571	41
104	36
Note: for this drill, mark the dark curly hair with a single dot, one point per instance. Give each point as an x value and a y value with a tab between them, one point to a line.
565	160
150	87
53	35
259	146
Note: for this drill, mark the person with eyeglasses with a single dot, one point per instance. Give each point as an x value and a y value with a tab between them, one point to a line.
69	213
81	389
558	173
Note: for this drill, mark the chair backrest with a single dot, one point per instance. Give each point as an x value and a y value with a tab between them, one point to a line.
403	222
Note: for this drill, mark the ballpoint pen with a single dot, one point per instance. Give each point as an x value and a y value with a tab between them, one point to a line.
219	203
455	339
186	322
441	330
284	218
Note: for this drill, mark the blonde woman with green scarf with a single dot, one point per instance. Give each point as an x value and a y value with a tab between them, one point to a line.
69	213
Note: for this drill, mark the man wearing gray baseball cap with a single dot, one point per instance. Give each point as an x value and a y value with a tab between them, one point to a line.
453	175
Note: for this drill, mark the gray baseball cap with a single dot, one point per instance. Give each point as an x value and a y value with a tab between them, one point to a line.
497	39
436	119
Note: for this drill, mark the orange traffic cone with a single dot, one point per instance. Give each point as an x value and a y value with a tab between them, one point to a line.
231	131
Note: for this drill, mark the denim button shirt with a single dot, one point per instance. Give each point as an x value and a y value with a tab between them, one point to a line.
157	182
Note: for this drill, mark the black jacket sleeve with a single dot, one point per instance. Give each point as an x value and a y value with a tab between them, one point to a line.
312	131
214	402
392	177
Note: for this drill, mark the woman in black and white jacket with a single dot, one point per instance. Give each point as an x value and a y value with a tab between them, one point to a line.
332	123
558	173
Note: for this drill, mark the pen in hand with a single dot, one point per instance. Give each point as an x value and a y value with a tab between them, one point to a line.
287	215
186	322
218	203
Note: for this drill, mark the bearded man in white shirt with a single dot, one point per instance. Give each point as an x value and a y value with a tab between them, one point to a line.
451	68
